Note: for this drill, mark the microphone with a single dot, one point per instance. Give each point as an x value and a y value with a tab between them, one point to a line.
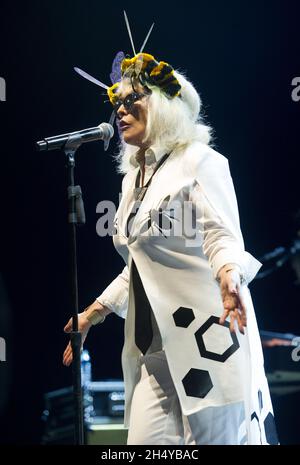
104	132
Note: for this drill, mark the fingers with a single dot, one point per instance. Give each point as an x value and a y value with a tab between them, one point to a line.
229	303
243	309
68	327
68	355
224	316
232	319
241	312
234	304
239	320
235	314
83	327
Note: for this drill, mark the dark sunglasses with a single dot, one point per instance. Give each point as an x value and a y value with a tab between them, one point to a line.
129	101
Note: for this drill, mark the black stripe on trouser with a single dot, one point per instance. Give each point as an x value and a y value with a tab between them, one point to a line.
143	324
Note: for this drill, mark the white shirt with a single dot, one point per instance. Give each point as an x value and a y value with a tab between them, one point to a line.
152	157
178	272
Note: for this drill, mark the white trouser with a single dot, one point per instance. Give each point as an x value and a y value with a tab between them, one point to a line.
156	416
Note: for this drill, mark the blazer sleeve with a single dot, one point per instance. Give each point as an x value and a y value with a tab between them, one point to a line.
218	216
115	295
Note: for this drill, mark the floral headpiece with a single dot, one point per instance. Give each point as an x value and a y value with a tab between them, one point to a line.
142	67
148	71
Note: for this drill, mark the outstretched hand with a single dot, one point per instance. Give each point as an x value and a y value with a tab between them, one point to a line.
83	326
233	301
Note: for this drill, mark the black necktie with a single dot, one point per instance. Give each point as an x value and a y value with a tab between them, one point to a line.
143	324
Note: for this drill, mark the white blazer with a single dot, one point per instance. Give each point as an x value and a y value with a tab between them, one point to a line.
209	366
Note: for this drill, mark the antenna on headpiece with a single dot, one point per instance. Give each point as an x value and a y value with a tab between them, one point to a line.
90	78
147	37
130	35
129	32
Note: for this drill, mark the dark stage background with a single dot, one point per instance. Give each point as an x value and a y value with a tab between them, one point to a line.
241	56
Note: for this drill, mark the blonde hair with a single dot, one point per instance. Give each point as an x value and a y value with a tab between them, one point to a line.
171	123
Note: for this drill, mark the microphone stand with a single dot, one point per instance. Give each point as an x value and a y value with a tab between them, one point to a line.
76	215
